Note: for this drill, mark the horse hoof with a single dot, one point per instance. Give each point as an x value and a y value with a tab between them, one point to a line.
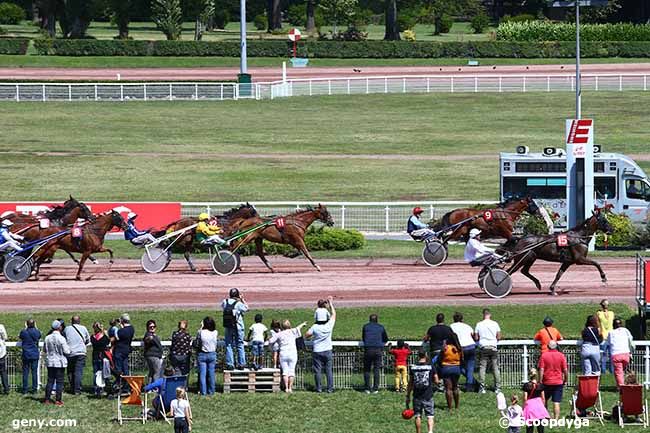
94	262
553	293
318	268
78	278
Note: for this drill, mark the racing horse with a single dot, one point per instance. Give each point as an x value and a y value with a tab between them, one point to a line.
92	241
528	249
504	216
289	229
229	222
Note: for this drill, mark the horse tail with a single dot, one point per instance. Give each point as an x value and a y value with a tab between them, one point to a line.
443	222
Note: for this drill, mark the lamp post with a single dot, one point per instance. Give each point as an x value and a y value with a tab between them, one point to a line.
244	78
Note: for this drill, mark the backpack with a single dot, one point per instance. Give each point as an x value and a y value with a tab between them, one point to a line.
229	315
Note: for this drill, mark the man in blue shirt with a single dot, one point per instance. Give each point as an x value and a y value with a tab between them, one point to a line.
234	308
122	348
374	339
29	338
135	236
416	228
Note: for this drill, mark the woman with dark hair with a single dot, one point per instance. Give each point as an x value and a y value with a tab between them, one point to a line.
100	342
207	356
590	350
451	358
153	351
181	349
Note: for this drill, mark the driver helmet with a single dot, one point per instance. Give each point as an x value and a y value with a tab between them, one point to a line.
131	215
417	210
474	233
204	216
7	223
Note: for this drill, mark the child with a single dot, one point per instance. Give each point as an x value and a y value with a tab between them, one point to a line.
182	412
275	347
515	415
421	383
534	402
257	334
401	355
321	311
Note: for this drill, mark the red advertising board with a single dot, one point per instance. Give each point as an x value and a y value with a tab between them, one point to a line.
150	214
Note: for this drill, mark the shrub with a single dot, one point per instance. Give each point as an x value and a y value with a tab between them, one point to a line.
11	13
14	46
221	18
351	34
168	16
480	22
3	31
518	18
297	15
446	23
409	35
316	239
623	232
536	31
260	22
406	20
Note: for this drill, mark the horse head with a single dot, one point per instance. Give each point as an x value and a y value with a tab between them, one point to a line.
85	213
323	215
533	207
602	223
117	220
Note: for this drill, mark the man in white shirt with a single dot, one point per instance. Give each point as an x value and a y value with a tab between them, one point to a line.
488	333
321	335
475	251
465	335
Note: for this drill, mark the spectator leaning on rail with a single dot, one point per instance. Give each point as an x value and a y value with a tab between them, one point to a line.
321	334
436	337
465	335
29	338
374	339
56	350
488	332
620	344
546	334
234	308
3	360
553	375
590	347
180	351
78	338
605	324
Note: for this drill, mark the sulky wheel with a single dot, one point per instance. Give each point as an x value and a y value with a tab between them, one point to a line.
497	283
224	263
434	253
481	276
17	269
155	260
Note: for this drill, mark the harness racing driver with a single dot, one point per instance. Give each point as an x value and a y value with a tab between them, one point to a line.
416	228
475	252
207	232
137	237
8	239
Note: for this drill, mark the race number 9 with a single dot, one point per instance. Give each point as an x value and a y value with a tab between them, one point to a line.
488	215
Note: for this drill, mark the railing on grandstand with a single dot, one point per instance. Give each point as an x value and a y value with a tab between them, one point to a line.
318	86
367	217
515	358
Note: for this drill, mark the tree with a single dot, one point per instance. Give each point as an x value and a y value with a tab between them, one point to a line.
392	29
121	11
201	11
48	10
311	16
337	11
274	15
168	16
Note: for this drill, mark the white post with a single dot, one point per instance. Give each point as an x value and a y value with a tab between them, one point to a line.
17	93
620	83
69	92
430	211
284	72
646	362
500	84
385	84
343	216
367	86
170	91
475	84
548	83
387	219
428	84
310	92
96	98
572	88
329	87
43	92
121	92
525	358
222	93
452	84
207	209
196	91
596	83
145	91
524	85
404	85
348	86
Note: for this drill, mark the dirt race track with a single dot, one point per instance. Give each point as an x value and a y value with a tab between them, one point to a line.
297	284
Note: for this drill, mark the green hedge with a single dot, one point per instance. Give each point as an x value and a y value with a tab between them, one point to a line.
13	46
536	31
341	49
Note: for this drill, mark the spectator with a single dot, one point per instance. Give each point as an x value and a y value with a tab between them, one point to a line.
182	412
3	360
122	347
401	355
374	338
321	309
99	340
605	325
234	308
620	343
465	335
288	352
77	338
153	351
56	351
275	347
487	332
553	375
207	356
590	350
257	335
437	335
29	338
321	333
534	402
180	351
515	414
112	330
451	358
421	380
158	385
546	334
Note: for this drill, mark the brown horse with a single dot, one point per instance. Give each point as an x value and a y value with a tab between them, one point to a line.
229	221
293	232
501	226
92	241
527	250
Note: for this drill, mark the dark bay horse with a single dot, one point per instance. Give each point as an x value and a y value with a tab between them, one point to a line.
91	242
229	222
528	249
293	232
502	225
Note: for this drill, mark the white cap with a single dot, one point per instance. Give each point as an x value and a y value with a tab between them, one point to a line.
131	215
474	232
7	223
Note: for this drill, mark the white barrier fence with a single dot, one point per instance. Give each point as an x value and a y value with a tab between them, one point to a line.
367	217
208	91
515	358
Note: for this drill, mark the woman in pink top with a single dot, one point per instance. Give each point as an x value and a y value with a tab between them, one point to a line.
288	351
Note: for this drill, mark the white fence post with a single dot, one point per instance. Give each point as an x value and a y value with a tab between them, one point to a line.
525	359
500	83
69	92
145	91
348	86
196	92
343	216
329	87
428	84
170	91
310	93
646	363
387	219
96	92
367	86
385	84
524	85
121	92
475	84
452	84
548	83
404	85
43	91
596	83
430	211
17	93
620	83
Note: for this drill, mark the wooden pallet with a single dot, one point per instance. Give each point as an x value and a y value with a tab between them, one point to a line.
264	380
